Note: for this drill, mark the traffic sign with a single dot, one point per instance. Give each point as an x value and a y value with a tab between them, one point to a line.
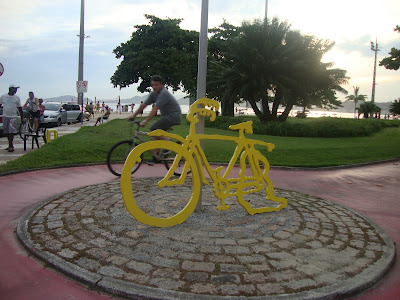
1	69
81	86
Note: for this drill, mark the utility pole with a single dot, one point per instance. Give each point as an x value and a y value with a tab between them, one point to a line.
266	9
375	48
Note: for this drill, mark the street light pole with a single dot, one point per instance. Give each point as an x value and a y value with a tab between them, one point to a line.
202	76
375	48
81	42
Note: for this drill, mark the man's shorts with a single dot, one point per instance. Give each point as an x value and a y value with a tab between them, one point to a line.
35	114
9	125
163	124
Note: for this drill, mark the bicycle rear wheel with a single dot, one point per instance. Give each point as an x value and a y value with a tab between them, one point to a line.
25	128
165	200
117	155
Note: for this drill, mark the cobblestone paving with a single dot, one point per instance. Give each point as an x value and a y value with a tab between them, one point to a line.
313	247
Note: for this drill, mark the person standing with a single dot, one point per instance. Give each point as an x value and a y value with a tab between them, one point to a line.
90	109
41	110
11	105
163	101
32	105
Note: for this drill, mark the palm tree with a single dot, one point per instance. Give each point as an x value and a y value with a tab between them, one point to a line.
367	109
356	97
268	58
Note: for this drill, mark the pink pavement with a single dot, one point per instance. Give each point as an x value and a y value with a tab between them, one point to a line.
372	190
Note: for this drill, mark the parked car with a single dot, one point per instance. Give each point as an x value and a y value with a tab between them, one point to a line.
56	114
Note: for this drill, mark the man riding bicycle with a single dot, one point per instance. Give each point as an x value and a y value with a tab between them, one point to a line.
163	101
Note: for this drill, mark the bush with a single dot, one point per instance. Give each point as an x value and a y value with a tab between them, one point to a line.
310	127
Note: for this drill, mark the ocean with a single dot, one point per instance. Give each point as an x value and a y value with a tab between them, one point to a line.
239	109
242	110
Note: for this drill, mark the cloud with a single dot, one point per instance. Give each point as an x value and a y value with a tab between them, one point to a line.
41	36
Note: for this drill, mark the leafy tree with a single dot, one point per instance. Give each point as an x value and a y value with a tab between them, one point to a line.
160	47
356	97
219	44
267	62
393	61
368	109
394	107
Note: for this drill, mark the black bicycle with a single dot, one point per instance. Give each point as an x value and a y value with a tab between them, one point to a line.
119	152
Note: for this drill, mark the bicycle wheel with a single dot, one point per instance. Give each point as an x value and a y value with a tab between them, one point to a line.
117	156
160	201
169	159
25	128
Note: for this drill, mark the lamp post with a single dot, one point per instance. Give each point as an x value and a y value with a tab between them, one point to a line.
81	44
375	48
81	41
202	75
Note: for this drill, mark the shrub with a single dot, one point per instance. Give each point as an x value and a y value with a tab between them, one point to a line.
310	127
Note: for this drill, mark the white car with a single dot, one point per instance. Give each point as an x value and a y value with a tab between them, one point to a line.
56	114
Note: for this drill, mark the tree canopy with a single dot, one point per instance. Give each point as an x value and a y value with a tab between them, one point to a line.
393	61
368	109
394	107
160	47
268	62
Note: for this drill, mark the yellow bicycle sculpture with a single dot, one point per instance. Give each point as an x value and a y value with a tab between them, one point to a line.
189	152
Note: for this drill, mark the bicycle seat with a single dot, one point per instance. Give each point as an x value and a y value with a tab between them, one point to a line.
246	126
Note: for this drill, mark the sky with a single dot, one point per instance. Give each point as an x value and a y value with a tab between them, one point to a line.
39	43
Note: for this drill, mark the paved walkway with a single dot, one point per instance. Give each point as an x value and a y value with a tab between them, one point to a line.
372	190
62	130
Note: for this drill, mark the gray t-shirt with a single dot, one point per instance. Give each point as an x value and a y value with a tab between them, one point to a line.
167	104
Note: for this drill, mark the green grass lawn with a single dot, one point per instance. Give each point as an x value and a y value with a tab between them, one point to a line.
91	144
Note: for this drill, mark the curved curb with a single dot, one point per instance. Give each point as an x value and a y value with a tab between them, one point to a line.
327	168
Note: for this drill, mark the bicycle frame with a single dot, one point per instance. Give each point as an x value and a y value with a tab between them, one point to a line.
224	186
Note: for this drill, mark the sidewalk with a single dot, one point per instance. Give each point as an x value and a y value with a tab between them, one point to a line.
372	190
62	130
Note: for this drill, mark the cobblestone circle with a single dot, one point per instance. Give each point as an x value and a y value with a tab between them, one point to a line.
313	248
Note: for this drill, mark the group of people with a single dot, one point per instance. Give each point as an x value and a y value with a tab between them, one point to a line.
11	104
160	99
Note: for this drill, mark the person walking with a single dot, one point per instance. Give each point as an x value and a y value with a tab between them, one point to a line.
163	101
11	106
